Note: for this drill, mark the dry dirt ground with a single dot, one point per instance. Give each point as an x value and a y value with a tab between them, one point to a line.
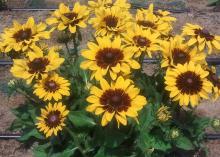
198	13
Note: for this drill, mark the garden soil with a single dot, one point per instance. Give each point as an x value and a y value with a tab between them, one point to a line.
198	13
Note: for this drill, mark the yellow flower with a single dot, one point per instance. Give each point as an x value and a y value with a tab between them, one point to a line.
108	57
120	99
111	21
188	83
23	38
201	37
52	87
36	65
147	20
176	51
97	4
52	119
142	41
215	80
66	19
1	47
161	15
163	113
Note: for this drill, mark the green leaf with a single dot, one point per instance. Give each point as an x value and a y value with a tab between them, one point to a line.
147	118
100	153
30	133
114	137
212	2
117	152
80	119
184	143
66	153
148	142
16	125
40	153
41	150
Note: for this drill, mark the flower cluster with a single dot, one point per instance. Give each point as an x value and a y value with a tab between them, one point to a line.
38	66
104	86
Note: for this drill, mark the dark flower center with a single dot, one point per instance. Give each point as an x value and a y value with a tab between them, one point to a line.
53	119
212	77
180	56
115	100
72	16
38	65
109	57
111	21
141	41
23	35
158	14
109	5
147	24
51	86
189	83
203	33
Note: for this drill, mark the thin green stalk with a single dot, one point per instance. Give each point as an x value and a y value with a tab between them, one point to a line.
67	48
75	43
141	61
68	54
76	140
26	95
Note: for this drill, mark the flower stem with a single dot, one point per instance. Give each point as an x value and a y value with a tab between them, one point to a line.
76	140
20	91
67	48
75	44
141	60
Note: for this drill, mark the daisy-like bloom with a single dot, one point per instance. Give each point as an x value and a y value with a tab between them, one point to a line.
142	41
36	65
108	57
147	20
188	83
165	16
160	14
176	51
52	119
215	80
97	4
21	38
163	113
201	37
1	47
66	19
111	21
52	87
120	99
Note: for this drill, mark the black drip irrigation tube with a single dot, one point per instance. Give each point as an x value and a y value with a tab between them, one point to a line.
16	136
133	6
210	61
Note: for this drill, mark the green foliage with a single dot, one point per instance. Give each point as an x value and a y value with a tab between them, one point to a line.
83	136
80	120
36	3
214	2
3	5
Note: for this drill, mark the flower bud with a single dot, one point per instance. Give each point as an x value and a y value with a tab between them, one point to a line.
175	133
216	123
11	83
